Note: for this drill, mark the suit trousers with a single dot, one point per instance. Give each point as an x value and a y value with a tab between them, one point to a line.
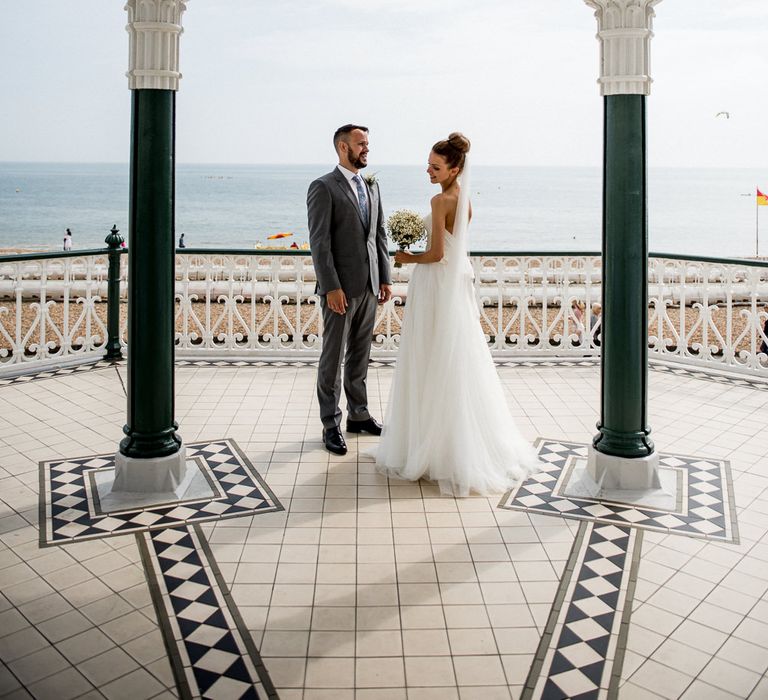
346	336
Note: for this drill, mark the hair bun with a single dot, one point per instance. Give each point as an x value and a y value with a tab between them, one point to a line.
454	149
459	141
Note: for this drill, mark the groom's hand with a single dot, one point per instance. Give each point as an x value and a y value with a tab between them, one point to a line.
337	301
385	293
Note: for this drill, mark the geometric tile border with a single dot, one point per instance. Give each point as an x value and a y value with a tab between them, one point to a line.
730	379
581	652
679	370
707	508
211	651
69	509
382	362
42	373
582	649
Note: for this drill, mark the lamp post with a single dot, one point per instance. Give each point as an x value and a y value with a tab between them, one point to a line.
622	455
113	351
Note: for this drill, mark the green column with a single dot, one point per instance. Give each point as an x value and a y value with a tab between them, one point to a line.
151	429
623	422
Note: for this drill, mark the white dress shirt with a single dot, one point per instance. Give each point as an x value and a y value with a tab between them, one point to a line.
349	175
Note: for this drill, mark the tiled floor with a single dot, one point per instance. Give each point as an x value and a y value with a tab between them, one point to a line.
373	589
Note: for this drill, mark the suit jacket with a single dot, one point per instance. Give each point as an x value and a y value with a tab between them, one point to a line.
347	252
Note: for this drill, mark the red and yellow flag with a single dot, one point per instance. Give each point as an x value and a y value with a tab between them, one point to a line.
762	199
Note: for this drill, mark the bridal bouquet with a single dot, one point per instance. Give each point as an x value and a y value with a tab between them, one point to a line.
405	228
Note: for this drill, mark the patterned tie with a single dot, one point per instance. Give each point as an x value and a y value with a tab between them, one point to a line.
362	200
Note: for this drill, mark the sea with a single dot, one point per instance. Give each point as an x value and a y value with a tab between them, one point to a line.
691	211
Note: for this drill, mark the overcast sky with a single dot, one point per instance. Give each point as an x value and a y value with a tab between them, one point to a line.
268	82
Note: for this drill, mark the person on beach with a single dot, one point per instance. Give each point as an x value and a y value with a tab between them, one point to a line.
595	322
447	419
351	261
68	240
181	241
578	308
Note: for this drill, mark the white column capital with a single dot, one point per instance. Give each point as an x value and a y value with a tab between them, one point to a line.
624	29
154	28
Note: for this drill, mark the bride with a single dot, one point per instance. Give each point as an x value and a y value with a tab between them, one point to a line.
447	418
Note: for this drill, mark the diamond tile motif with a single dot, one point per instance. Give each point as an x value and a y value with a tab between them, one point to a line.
68	512
578	656
60	372
680	371
212	654
570	684
712	518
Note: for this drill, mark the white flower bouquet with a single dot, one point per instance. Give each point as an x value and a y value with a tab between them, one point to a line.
405	228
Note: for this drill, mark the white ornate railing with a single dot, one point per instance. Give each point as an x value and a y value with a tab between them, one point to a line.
243	303
51	308
702	311
726	312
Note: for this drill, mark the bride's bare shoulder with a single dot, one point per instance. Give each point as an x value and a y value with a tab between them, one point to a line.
438	202
443	200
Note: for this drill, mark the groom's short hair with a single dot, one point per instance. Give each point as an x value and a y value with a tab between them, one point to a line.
342	131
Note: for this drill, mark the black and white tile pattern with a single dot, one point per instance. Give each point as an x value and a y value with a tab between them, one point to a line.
36	373
581	651
211	651
212	654
706	509
548	363
69	509
307	362
728	379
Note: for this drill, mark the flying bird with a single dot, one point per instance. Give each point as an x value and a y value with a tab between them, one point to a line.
727	115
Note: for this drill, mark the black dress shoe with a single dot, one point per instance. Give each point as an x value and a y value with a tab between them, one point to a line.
370	425
334	441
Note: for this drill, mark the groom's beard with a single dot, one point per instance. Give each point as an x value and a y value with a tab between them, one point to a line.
358	163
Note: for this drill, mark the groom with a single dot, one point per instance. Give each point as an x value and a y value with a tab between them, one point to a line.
349	252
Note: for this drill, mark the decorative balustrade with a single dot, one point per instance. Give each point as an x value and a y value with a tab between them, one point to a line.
52	308
243	303
709	311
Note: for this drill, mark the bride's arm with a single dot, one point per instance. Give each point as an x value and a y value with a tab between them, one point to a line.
437	244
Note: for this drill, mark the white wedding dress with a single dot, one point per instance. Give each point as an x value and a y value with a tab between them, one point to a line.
447	418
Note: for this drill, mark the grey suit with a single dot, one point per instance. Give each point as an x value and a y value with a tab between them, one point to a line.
350	254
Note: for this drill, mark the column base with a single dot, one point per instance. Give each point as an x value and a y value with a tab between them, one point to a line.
150	475
624	473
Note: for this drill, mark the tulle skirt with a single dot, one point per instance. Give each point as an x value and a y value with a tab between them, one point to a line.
447	419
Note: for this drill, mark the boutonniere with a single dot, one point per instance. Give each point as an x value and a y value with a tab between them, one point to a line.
370	179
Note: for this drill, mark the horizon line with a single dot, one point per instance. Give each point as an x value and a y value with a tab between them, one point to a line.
326	164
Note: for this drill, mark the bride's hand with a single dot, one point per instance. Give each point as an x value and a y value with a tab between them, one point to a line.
404	257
